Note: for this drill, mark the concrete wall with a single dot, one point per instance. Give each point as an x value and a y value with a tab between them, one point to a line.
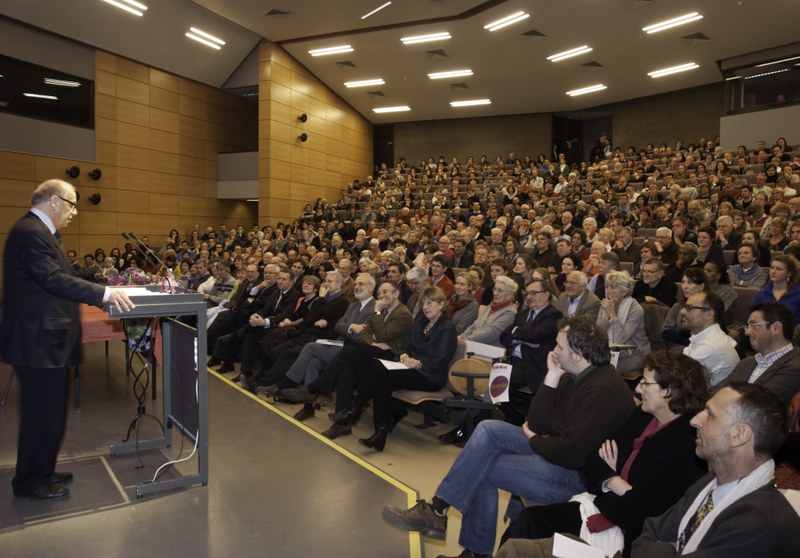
768	125
526	134
681	115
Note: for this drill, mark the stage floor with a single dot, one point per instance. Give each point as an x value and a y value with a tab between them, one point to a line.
276	488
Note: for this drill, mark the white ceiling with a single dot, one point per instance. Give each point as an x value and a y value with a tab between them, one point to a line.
509	67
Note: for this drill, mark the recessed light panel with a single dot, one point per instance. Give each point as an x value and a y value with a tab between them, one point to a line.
673	70
471	103
401	108
674	22
450	74
506	21
569	53
364	83
585	90
330	50
443	36
130	6
375	11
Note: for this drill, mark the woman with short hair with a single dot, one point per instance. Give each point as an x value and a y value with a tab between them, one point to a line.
623	318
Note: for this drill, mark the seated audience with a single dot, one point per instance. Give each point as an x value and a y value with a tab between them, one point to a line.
539	461
735	510
639	472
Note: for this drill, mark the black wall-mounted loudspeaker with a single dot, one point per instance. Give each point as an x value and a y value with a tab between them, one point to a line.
74	171
95	198
303	117
95	174
303	137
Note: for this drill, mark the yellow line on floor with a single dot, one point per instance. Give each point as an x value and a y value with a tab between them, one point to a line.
415	543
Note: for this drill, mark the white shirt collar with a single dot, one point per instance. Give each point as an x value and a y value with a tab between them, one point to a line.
44	219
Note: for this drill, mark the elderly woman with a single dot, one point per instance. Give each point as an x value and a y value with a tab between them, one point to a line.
462	308
427	358
640	473
672	331
496	316
622	317
747	273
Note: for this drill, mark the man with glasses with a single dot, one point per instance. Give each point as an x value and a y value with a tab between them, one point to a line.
581	402
654	286
776	364
40	333
708	344
531	337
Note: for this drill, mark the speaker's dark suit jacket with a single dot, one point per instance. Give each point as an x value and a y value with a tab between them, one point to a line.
41	325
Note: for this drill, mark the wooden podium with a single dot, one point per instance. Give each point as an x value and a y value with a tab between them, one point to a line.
184	375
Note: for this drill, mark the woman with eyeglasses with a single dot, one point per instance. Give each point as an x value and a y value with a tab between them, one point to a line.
782	286
623	318
640	473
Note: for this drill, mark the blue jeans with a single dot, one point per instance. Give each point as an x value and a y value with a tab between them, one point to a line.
499	456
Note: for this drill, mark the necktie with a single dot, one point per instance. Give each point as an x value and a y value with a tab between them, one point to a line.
531	316
57	236
278	303
699	515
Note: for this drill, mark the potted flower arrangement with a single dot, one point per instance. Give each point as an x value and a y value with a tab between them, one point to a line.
138	331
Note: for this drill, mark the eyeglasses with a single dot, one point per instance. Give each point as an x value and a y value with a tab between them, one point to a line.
753	325
72	204
642	382
690	307
529	293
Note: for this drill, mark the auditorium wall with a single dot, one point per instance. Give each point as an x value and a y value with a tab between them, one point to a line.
157	140
338	147
524	134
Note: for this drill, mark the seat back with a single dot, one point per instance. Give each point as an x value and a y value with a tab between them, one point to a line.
474	365
740	309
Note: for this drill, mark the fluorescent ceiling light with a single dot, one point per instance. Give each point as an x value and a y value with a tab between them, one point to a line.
569	53
732	78
673	70
364	83
208	36
61	82
584	90
38	96
129	6
401	108
506	21
375	11
200	39
777	62
656	27
426	38
767	74
450	74
252	200
330	50
472	103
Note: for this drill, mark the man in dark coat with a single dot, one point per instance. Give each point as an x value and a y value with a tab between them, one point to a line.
40	334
